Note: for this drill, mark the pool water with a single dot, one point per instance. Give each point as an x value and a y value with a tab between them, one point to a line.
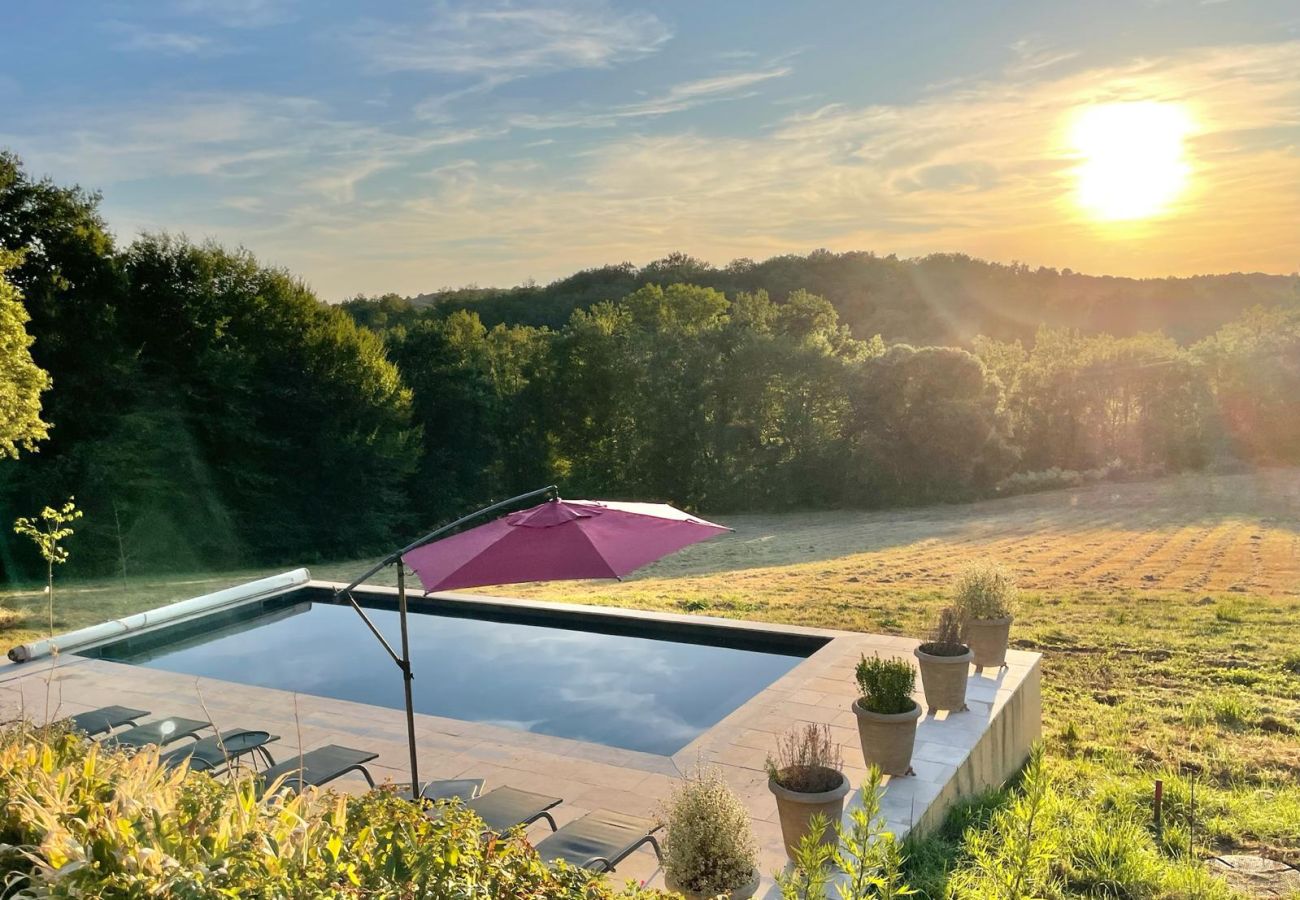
636	691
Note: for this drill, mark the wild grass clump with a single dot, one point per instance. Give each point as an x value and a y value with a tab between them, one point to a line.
710	845
985	590
886	685
1041	840
1226	710
806	760
80	820
1230	612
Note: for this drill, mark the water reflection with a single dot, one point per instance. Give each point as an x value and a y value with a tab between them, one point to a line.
632	692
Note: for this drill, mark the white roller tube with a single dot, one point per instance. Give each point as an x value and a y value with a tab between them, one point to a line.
163	615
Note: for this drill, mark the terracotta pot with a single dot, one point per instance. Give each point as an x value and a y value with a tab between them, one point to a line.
796	809
944	679
887	738
988	640
744	892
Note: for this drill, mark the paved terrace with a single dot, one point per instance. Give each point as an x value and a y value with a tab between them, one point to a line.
956	754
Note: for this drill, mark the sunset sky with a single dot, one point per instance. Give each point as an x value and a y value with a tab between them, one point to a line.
411	146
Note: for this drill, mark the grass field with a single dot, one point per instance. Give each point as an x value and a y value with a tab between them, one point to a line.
1167	613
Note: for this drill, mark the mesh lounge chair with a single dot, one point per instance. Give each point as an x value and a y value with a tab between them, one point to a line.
317	767
106	718
600	840
504	808
465	789
161	733
217	753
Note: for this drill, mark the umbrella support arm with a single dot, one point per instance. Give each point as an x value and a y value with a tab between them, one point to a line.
374	629
404	661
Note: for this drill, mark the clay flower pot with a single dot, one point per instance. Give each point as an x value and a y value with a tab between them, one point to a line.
744	892
796	809
988	640
887	738
944	678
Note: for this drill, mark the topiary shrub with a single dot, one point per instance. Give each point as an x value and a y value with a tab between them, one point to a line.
81	820
886	685
710	846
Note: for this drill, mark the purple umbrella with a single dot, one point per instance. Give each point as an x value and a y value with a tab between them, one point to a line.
554	541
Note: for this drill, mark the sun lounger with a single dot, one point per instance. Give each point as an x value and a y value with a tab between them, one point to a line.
161	733
504	808
320	766
464	789
215	754
105	719
599	840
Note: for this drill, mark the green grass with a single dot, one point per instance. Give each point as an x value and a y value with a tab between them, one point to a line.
1194	685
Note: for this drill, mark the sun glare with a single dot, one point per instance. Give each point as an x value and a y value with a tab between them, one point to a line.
1133	165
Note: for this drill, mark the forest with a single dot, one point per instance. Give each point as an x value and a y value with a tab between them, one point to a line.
207	410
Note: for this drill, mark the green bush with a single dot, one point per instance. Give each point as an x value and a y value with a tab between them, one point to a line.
985	591
83	821
886	685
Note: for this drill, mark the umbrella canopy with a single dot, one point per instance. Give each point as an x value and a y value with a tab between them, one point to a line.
556	541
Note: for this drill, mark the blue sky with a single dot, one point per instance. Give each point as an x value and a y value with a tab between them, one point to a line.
414	145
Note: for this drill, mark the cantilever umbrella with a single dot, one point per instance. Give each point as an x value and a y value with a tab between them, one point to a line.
553	541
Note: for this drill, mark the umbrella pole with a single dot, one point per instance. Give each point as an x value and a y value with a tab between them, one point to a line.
407	676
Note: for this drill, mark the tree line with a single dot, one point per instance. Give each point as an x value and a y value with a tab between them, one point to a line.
207	410
941	299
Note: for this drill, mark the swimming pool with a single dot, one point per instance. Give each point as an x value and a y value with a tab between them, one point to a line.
625	682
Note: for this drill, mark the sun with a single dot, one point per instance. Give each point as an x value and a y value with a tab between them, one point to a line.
1133	163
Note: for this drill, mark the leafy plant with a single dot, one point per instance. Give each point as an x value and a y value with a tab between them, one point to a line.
710	845
866	852
807	760
985	590
1012	858
83	820
886	685
47	531
945	636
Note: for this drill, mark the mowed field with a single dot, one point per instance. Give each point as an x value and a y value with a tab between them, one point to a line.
1224	533
1168	613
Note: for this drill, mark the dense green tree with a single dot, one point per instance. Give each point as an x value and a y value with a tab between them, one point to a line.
1084	401
1254	369
302	418
927	424
21	381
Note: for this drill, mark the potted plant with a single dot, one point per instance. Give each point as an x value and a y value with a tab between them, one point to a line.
886	713
986	598
804	775
709	850
945	663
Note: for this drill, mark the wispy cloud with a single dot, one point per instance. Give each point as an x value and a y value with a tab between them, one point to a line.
980	167
136	38
678	98
495	38
238	13
1032	55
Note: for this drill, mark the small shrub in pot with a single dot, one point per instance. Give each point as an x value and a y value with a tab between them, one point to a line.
886	713
945	663
804	774
709	850
985	598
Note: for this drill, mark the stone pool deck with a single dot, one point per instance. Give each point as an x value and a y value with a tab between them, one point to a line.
956	754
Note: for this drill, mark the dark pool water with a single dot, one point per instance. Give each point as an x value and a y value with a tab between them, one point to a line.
636	692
